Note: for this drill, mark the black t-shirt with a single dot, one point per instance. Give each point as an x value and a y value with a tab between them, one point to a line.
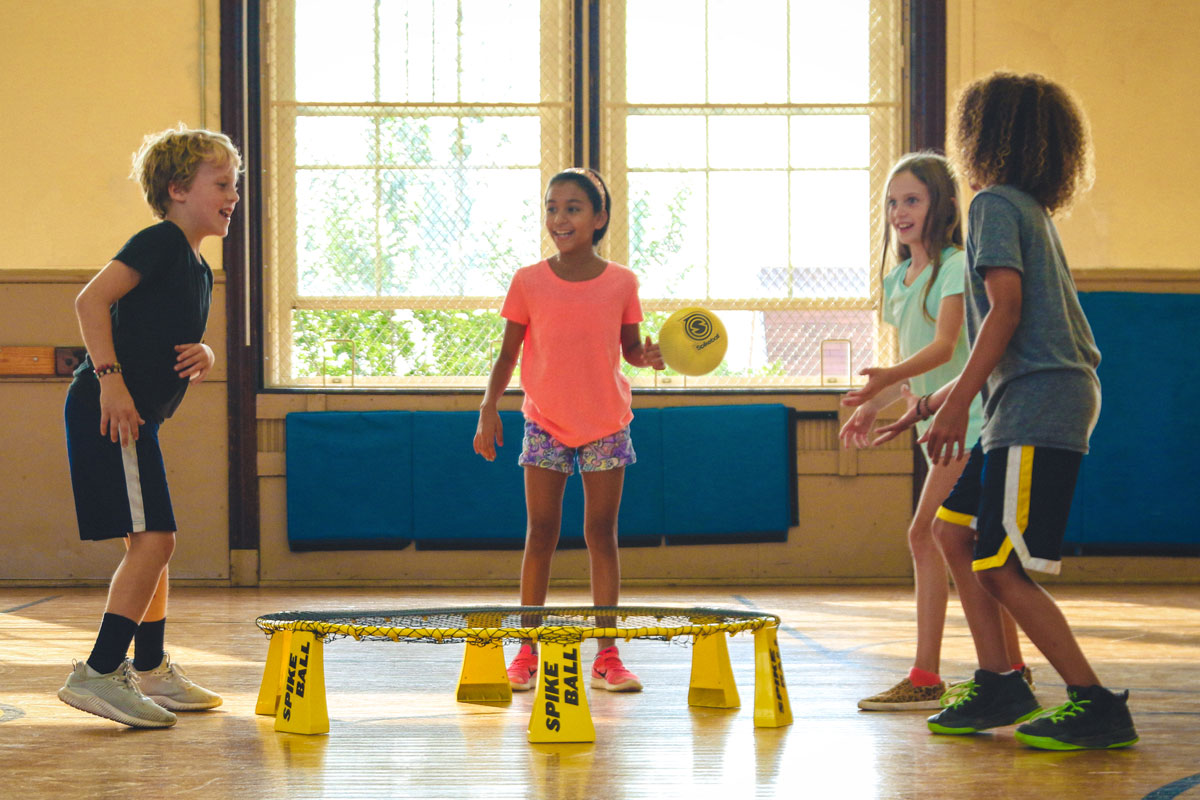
169	306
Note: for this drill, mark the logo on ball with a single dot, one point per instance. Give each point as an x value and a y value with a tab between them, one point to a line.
692	341
698	327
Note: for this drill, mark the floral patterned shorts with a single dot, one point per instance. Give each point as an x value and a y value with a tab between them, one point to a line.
540	449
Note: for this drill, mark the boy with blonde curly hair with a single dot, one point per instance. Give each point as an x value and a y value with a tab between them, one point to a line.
143	318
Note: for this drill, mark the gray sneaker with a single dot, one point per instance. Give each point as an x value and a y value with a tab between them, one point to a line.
168	686
114	696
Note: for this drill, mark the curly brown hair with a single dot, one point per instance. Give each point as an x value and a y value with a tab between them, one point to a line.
1024	131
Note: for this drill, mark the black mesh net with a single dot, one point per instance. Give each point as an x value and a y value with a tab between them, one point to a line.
484	624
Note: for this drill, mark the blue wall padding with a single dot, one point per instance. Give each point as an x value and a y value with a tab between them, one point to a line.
349	479
727	470
457	495
439	493
641	516
1137	487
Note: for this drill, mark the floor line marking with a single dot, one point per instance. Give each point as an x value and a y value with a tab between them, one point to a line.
34	603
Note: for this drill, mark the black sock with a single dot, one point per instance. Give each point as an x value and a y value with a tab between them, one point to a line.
112	643
148	645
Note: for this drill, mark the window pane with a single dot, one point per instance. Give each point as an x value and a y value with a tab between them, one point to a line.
417	142
335	226
831	141
747	51
792	339
830	51
335	47
667	220
830	233
666	142
748	235
459	232
407	61
664	56
334	140
407	171
748	142
500	51
502	141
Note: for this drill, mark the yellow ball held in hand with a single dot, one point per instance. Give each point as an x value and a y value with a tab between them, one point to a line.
693	341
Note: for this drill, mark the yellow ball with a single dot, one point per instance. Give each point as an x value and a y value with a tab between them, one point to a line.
693	341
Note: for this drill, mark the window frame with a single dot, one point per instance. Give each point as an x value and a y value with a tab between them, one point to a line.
608	100
924	20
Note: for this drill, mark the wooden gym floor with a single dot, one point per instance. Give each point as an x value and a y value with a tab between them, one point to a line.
398	732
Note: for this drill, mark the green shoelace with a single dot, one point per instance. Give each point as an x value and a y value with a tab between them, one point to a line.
959	693
1067	709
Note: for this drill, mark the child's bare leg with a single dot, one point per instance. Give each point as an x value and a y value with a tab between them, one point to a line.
602	502
1041	619
981	609
929	566
148	640
158	603
140	573
543	502
1012	641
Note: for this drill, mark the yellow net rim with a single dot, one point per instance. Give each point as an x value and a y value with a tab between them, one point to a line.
483	624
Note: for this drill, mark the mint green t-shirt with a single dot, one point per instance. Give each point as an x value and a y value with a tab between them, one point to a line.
902	308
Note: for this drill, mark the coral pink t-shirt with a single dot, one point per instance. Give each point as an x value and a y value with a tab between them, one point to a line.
571	357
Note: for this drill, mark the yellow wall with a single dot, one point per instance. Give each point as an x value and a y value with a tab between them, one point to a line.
1133	67
91	78
84	81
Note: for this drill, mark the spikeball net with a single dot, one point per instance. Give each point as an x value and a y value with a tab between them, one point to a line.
483	625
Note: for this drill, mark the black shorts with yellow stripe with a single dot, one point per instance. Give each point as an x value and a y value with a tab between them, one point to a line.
1017	499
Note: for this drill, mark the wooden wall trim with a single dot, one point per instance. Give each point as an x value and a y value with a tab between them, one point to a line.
73	275
1154	281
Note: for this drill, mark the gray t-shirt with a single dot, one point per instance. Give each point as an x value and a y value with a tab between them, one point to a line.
1044	391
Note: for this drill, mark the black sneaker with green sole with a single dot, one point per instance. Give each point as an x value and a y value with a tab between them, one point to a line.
1093	718
990	700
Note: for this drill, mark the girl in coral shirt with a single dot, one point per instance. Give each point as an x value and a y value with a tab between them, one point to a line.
570	318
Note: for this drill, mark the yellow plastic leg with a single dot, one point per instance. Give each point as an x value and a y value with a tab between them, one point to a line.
560	710
484	678
303	709
712	684
274	674
772	708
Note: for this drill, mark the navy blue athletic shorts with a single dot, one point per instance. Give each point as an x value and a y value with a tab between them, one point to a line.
118	490
1018	500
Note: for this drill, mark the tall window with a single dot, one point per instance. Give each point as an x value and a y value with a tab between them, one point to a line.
409	142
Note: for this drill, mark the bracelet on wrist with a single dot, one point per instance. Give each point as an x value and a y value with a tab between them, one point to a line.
923	411
107	369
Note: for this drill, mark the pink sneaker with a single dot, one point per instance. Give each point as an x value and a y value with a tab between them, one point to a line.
522	672
610	674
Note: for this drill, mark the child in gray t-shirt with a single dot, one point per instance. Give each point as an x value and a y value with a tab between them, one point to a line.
1044	390
1022	143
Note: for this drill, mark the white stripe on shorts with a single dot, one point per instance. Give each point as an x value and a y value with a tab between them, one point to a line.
133	487
1017	490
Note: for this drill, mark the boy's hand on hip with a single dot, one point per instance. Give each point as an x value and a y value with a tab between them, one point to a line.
194	361
119	417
